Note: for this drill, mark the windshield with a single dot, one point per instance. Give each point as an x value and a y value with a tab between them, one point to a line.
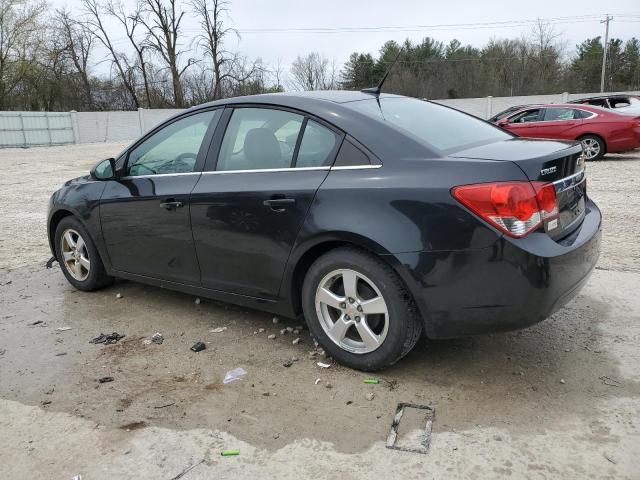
446	129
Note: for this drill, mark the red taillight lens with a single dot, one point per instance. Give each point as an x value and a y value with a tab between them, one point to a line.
516	208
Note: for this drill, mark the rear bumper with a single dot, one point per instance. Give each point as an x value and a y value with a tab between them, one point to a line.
510	285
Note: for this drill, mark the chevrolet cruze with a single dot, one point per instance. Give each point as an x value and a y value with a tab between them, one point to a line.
377	217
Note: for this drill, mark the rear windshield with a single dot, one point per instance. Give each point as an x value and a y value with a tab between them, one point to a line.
444	128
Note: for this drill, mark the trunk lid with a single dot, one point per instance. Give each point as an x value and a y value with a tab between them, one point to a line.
548	161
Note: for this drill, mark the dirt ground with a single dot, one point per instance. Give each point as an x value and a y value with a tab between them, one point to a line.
559	400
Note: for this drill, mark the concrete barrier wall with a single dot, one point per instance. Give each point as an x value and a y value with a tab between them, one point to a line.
24	129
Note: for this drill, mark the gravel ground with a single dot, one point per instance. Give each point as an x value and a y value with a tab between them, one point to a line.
558	400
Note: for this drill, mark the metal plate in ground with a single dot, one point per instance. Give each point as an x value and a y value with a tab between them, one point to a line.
422	443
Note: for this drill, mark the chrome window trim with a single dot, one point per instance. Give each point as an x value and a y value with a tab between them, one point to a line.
356	167
129	177
266	170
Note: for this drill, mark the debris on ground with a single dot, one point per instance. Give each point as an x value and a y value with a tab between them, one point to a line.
46	402
289	329
272	336
157	338
562	381
296	331
63	329
313	354
229	453
295	341
37	322
425	439
317	381
218	330
323	365
287	363
300	328
198	346
235	374
276	436
370	396
50	262
371	381
105	379
107	339
165	405
283	331
328	386
185	471
118	295
261	330
76	477
197	301
391	384
275	320
610	382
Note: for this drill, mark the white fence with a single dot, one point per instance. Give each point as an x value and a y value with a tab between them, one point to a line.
25	129
28	129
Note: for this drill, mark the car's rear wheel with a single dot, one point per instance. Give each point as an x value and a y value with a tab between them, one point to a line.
358	309
78	257
593	147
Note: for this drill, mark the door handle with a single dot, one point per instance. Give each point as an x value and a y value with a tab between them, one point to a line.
171	204
279	204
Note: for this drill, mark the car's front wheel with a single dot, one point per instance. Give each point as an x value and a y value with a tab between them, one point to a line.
358	309
78	257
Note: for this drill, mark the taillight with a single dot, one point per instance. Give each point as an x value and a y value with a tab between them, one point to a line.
516	208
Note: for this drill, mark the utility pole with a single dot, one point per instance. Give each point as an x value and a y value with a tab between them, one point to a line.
604	53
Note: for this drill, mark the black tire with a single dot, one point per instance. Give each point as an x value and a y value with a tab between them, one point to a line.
602	147
97	276
404	322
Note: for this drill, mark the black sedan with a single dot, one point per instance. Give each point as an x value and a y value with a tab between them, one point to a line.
378	217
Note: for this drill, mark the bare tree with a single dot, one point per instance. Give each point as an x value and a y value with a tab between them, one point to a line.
18	32
130	21
312	72
77	44
163	27
95	24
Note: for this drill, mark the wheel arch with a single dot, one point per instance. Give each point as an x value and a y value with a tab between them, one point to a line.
589	134
308	253
55	218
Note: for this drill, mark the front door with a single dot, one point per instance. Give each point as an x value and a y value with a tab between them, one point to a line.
145	213
247	209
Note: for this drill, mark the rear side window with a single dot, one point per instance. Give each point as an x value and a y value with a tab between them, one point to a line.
444	128
556	114
351	156
583	114
318	146
259	138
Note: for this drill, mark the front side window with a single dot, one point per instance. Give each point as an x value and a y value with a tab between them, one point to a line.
259	138
318	146
173	149
558	114
444	128
526	116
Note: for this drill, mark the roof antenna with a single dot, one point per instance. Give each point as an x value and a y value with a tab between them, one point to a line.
377	89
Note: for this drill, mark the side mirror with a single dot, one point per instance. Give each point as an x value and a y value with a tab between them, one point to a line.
104	170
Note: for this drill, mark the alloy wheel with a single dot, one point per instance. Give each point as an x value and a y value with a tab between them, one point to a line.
591	148
352	311
75	255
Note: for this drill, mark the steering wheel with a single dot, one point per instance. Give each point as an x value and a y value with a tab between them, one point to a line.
180	160
142	165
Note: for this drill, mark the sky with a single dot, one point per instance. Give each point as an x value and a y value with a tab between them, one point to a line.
280	30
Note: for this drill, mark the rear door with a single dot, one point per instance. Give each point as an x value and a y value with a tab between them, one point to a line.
559	122
253	197
145	213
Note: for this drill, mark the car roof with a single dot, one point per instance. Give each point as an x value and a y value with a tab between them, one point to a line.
382	138
604	97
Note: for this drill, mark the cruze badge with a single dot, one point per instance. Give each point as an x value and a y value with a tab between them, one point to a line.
547	171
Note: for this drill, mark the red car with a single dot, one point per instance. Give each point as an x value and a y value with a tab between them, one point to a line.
600	131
